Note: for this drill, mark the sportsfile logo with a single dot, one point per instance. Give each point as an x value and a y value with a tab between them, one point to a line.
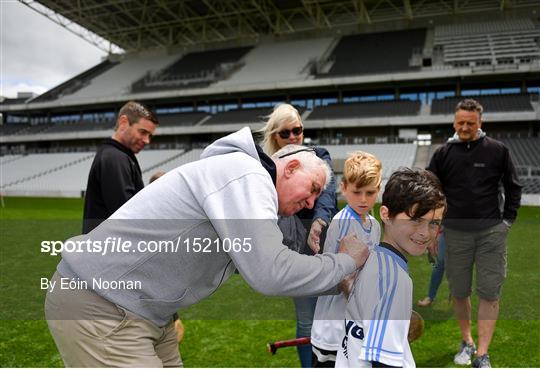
113	245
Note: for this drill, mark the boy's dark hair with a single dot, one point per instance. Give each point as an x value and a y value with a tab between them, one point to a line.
413	190
135	111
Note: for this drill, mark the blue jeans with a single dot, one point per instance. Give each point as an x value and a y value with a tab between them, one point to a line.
438	269
305	309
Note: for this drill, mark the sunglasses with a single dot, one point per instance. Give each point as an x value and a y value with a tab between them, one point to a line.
307	149
297	131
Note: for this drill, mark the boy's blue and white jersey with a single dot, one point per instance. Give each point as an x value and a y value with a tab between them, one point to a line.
327	330
378	313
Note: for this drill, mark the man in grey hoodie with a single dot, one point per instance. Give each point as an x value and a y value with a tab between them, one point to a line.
209	218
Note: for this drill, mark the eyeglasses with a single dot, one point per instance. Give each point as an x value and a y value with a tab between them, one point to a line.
307	149
296	131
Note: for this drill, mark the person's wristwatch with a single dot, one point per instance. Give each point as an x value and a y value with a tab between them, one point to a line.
508	222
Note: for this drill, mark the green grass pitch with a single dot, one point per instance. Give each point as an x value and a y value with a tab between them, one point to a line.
252	319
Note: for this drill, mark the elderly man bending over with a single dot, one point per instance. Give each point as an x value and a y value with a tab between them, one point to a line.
218	214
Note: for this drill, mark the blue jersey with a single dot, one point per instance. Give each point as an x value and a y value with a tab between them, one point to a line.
327	329
378	313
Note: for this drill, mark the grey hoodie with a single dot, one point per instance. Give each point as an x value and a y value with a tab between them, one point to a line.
224	196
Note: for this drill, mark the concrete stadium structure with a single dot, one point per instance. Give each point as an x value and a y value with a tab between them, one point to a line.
370	74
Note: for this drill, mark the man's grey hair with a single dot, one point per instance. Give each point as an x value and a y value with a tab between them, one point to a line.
309	160
470	105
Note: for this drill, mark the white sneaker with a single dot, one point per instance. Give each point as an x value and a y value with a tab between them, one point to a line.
465	354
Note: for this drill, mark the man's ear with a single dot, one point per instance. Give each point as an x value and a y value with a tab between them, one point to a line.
385	214
291	167
123	122
342	186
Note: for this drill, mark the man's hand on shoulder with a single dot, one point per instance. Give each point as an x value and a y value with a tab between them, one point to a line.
355	248
346	283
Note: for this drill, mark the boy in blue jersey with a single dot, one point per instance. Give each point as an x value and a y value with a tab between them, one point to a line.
379	308
360	186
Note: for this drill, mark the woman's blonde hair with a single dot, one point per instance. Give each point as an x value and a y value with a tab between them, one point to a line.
282	113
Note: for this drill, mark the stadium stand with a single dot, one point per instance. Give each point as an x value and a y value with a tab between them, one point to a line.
525	151
180	158
35	129
181	119
490	43
80	126
201	95
374	53
68	179
11	129
239	116
9	158
491	103
531	185
30	167
117	80
66	174
76	83
279	61
255	115
16	100
198	69
149	159
365	109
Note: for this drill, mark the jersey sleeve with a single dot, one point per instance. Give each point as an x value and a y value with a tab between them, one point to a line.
376	233
331	243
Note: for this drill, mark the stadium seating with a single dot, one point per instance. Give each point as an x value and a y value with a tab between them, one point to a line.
198	69
13	100
375	53
66	174
278	61
525	151
10	129
180	119
151	158
80	126
9	158
30	167
491	103
365	110
489	43
76	83
255	115
531	185
117	80
180	158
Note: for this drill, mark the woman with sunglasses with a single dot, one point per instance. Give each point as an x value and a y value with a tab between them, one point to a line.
303	232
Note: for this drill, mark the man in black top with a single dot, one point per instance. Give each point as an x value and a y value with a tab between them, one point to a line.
471	168
115	175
